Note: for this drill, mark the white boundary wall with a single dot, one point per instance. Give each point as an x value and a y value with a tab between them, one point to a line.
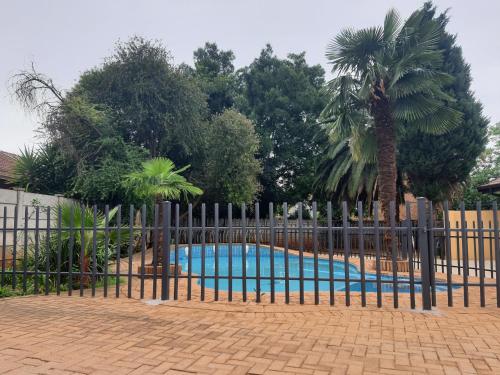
10	199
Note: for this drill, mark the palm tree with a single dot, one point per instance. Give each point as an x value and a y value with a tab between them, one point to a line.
158	180
347	170
388	78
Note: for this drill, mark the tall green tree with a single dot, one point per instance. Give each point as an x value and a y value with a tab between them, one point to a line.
230	167
153	103
214	72
389	78
435	164
283	98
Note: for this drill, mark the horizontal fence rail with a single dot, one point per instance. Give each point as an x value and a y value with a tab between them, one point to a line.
170	252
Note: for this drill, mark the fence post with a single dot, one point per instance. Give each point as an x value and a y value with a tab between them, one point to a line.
424	253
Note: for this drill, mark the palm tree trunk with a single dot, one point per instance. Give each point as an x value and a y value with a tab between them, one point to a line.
385	135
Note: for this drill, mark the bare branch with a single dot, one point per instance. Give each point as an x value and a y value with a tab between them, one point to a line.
35	92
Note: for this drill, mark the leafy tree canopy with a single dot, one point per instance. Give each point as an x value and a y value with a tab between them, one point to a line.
435	164
214	72
153	104
135	106
283	97
230	167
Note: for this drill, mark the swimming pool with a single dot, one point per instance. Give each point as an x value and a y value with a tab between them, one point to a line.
279	270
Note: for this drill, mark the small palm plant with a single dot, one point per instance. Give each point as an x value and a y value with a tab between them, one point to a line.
84	218
159	180
81	237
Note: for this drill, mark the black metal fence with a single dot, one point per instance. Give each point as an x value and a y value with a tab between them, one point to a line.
78	250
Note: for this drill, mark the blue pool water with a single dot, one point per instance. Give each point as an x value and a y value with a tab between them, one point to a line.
279	270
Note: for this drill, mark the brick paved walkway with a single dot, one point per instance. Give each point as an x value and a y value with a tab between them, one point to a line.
102	336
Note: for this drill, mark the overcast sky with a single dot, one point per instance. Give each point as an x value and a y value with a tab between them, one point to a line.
65	38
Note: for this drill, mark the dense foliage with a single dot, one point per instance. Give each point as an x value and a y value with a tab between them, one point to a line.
230	166
214	71
284	98
136	106
435	164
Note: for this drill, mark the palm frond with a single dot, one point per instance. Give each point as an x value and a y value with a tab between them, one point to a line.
392	26
158	178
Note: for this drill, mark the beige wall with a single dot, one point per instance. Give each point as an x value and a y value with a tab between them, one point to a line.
472	235
10	199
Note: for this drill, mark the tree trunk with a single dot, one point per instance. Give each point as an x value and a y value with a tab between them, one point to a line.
385	134
85	280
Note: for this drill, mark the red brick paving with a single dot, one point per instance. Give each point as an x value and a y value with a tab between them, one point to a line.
73	335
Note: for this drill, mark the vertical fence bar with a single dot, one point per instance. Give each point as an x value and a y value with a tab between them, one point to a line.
47	253
130	250
216	250
156	223
347	251
14	249
377	253
106	249
37	246
165	267
71	246
25	248
271	249
176	252
409	246
424	253
257	252
59	249
458	247
244	251
432	254
230	253
361	244
190	250
94	250
480	238
4	245
475	247
301	253
330	253
315	252
118	250
448	254
497	250
490	238
203	251
143	249
285	244
82	248
465	253
394	253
